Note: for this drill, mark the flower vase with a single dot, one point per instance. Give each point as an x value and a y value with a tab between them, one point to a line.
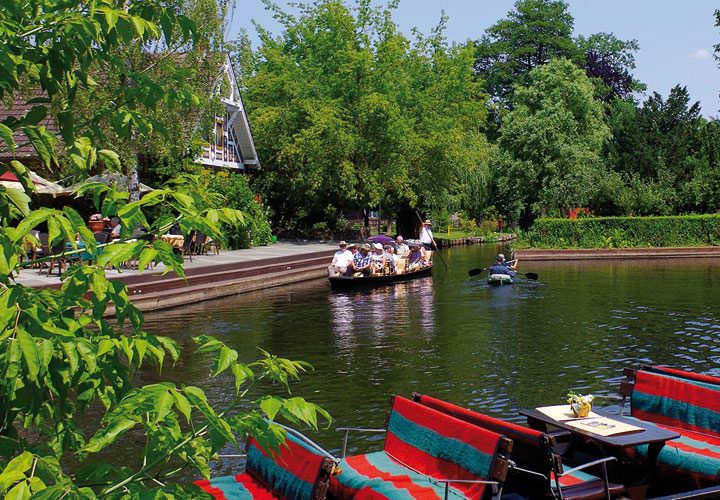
96	225
581	410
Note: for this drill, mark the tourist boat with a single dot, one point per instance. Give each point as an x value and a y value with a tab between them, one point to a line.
500	279
378	280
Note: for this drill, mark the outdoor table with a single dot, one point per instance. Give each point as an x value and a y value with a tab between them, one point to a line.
652	435
175	240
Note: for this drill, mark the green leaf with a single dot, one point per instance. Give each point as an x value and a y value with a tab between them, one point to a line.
271	405
117	425
43	142
224	359
146	256
21	463
181	403
30	353
19	200
110	158
21	491
23	175
6	134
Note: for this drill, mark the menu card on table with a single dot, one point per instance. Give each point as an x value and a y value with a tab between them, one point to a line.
603	426
562	413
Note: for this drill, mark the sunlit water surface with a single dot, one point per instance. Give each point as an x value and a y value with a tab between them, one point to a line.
494	350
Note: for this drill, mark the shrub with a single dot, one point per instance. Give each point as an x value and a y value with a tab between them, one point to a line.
236	190
623	232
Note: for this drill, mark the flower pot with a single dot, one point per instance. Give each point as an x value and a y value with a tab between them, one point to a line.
96	225
581	409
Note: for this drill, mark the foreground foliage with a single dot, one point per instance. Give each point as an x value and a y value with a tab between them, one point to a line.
623	232
59	355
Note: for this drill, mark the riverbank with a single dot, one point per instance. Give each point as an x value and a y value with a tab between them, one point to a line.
443	242
617	253
213	276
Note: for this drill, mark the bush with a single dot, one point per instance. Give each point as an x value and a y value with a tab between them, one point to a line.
256	228
623	232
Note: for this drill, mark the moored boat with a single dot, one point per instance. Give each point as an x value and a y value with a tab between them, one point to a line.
378	280
500	279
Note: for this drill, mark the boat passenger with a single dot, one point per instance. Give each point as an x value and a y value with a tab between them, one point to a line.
353	248
402	248
341	260
361	262
501	267
378	259
391	257
416	257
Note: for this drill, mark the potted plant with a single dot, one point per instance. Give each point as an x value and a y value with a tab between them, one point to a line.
97	222
580	405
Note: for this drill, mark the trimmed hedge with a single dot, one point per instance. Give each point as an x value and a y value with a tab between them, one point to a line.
623	232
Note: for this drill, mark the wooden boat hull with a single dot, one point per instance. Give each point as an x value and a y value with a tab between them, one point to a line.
341	282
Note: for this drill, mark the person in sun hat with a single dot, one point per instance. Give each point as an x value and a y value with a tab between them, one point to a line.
361	262
378	259
426	236
341	260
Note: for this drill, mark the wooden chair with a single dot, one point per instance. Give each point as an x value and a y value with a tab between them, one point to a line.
300	471
427	454
47	251
200	245
187	246
536	468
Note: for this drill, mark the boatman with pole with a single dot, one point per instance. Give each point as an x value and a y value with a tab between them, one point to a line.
426	236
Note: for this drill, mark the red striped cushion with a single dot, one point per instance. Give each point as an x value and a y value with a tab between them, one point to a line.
509	429
708	379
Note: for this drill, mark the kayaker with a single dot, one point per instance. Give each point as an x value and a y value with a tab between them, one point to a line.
501	267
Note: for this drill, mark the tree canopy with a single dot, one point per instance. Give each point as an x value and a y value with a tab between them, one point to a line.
532	34
548	156
350	114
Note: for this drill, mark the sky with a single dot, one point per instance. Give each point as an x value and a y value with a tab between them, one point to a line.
676	38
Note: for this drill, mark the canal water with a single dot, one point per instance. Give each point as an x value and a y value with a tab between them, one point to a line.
495	350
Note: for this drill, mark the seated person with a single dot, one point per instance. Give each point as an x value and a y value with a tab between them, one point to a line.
341	260
402	248
501	267
378	259
416	258
391	257
116	227
361	261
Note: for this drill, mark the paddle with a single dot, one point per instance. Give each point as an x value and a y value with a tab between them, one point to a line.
530	276
476	271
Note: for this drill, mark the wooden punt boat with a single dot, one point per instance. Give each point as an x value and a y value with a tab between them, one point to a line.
339	282
500	279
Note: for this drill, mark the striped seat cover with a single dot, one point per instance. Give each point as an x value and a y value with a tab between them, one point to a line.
291	475
687	405
535	450
421	445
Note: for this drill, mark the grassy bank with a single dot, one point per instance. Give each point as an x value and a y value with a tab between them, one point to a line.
623	232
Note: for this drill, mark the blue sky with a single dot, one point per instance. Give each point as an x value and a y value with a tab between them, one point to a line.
676	38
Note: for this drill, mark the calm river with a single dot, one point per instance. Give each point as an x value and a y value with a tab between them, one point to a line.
494	350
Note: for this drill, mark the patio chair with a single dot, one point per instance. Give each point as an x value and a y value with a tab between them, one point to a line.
187	246
200	244
47	251
299	471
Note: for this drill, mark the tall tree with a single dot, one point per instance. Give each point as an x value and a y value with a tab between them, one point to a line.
533	33
348	114
611	61
548	157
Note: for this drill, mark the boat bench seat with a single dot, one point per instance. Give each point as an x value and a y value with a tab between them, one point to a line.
423	450
501	276
532	450
296	472
686	403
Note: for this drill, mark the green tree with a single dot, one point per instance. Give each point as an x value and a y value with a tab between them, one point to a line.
548	156
349	114
533	33
610	61
59	355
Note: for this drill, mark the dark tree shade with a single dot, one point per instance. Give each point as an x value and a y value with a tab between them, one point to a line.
617	80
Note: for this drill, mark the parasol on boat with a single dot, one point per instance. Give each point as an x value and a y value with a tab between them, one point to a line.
381	238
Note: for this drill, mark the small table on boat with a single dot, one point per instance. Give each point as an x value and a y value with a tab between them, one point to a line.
652	435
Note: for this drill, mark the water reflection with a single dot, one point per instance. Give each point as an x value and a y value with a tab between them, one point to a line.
379	312
492	349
